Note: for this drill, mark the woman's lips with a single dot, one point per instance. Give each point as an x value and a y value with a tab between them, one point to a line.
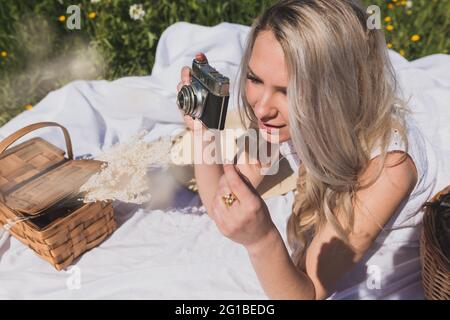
269	127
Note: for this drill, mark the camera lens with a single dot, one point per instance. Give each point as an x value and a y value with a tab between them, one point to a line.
192	98
186	99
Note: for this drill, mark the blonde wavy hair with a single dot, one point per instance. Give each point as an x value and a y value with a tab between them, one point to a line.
342	100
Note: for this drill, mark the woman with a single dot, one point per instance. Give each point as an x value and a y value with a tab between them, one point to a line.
315	76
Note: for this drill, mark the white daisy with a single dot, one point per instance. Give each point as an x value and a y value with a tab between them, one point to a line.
137	12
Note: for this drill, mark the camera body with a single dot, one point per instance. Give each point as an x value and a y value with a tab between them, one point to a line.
206	98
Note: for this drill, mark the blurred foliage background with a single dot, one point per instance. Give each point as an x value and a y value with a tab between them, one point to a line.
39	53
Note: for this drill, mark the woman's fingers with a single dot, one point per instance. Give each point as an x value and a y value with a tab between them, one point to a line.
200	56
220	214
222	189
189	122
222	183
217	207
185	78
236	183
186	75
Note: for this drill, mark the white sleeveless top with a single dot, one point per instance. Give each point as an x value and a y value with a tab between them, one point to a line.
391	268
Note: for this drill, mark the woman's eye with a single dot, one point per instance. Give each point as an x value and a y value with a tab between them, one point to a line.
252	79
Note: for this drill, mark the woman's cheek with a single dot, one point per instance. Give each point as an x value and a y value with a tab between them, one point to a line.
284	132
252	94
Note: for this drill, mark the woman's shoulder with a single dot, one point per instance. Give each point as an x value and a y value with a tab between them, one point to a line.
420	162
414	146
399	169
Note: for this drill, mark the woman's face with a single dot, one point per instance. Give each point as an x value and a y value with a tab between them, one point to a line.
267	80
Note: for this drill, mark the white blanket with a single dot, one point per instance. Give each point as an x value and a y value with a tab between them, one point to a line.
177	252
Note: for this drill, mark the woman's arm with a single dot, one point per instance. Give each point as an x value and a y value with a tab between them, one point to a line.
276	271
328	258
247	221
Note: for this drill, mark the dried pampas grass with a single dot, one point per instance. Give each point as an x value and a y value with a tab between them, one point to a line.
123	176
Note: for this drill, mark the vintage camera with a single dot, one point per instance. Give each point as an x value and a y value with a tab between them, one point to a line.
206	98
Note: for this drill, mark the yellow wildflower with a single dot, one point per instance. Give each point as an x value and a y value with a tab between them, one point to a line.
387	19
92	15
415	37
402	52
390	6
4	54
408	12
394	1
389	45
389	27
62	18
29	106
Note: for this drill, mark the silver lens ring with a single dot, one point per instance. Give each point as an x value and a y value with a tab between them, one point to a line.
186	100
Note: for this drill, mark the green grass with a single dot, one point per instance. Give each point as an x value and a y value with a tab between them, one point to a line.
39	54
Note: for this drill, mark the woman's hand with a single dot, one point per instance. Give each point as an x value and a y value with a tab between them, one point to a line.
186	79
247	220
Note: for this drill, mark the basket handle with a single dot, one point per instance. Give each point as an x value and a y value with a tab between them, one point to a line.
5	143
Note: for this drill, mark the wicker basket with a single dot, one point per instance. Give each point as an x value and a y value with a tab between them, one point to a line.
435	265
39	198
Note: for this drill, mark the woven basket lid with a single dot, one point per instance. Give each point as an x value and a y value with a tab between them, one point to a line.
48	189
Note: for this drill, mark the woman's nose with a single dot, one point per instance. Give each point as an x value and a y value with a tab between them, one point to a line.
264	108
